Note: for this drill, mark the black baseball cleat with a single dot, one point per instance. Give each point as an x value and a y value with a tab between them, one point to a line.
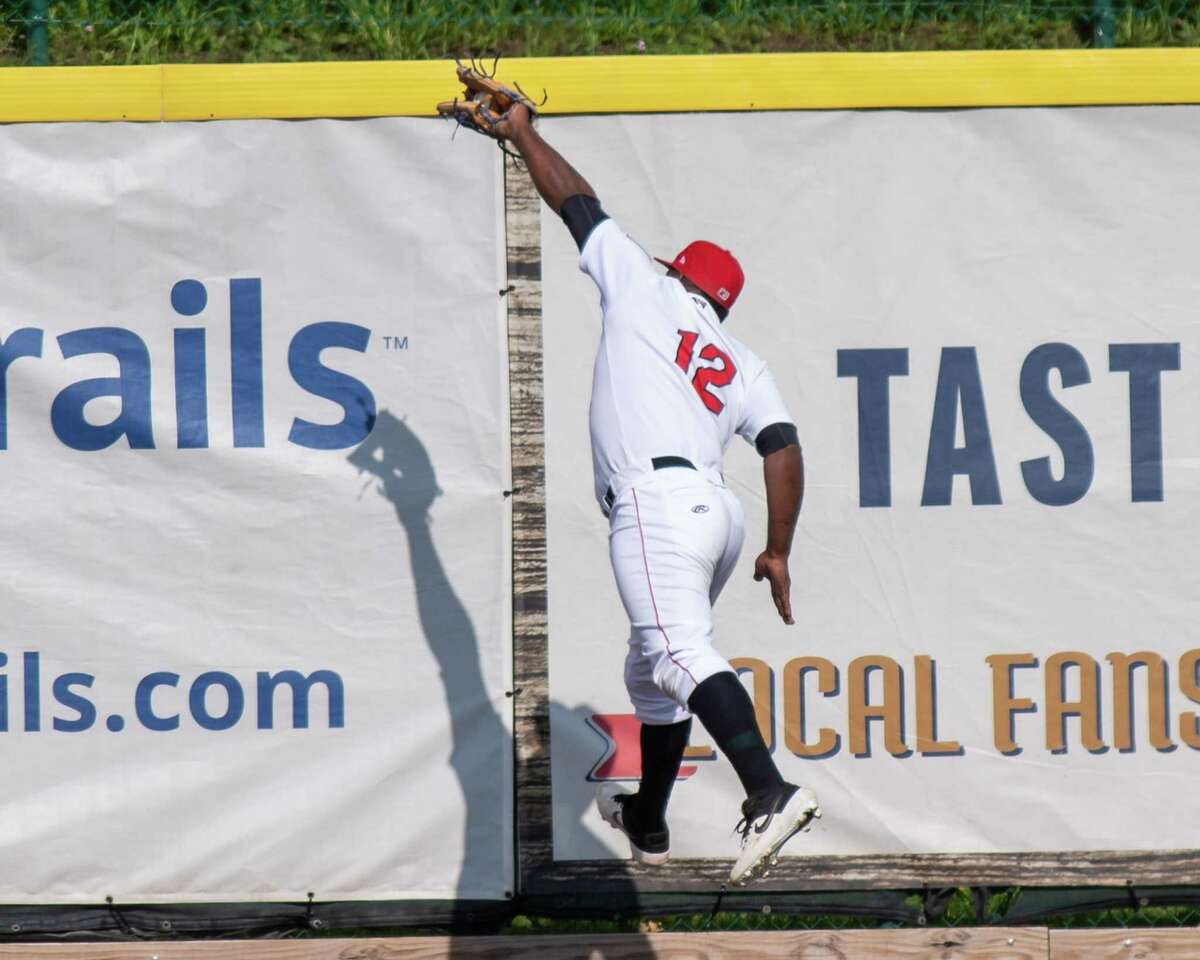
651	847
768	822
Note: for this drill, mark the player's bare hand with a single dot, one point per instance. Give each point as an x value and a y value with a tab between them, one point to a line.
514	122
774	569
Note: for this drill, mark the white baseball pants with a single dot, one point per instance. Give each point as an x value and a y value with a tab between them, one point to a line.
674	539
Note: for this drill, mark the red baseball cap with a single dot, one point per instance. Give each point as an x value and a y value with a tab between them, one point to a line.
713	269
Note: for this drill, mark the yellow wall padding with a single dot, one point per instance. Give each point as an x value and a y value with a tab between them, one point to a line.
634	84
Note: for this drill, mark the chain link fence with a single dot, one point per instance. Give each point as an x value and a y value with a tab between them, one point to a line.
955	907
156	31
593	913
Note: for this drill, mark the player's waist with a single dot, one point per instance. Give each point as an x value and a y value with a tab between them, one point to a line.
626	479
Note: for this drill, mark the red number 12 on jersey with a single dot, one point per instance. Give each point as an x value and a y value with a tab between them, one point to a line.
705	377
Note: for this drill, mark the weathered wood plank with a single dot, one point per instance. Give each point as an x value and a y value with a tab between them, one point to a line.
531	721
1136	944
890	872
1022	943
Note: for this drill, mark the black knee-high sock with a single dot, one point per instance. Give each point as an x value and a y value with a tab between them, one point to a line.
725	709
662	752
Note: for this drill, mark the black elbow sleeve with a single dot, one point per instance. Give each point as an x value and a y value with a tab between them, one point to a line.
582	214
775	437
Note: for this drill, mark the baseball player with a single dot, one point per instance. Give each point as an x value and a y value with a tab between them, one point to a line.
670	388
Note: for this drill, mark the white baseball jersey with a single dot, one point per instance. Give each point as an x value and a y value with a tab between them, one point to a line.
668	379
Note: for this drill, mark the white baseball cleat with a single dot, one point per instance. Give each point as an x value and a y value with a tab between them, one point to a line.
767	824
649	847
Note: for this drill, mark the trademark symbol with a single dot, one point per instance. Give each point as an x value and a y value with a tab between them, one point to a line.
395	343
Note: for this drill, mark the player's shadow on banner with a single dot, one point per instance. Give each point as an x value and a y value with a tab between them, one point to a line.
480	738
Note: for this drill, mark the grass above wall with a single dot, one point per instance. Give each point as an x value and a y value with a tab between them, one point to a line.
99	32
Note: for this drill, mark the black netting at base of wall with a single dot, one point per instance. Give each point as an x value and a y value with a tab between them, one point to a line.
582	911
197	921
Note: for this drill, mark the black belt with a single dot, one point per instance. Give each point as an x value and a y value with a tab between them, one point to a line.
659	463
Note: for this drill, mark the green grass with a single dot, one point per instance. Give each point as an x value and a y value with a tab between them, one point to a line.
233	31
689	923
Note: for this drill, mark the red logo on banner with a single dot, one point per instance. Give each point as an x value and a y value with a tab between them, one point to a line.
622	758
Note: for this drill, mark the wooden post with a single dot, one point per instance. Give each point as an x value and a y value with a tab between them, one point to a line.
531	719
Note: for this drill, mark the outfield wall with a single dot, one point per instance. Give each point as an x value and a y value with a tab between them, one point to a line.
257	405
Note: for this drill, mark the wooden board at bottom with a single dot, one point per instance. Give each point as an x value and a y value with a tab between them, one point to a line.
1018	943
1133	944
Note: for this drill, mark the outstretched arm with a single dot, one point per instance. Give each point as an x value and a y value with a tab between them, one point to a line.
555	179
783	474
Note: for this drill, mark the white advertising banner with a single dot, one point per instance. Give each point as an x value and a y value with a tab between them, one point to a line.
987	326
253	427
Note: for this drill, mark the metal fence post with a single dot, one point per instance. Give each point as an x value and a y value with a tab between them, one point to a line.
38	32
1104	27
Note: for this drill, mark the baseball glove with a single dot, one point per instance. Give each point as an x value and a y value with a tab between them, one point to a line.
485	103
